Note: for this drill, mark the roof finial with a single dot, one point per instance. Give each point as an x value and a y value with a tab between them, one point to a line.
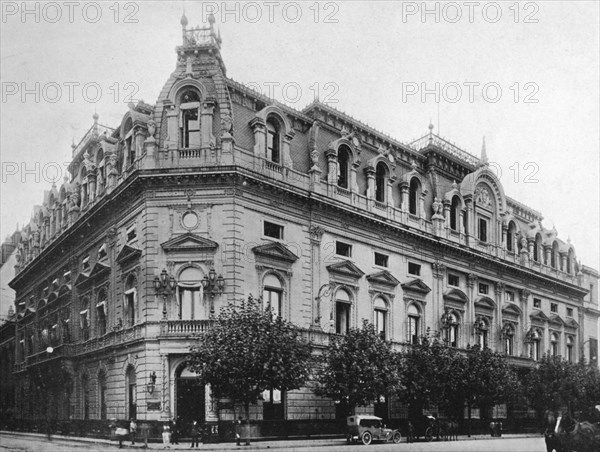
430	130
184	20
95	115
483	160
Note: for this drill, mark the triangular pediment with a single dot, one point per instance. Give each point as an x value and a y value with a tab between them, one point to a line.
346	268
383	277
456	295
416	285
189	242
128	253
275	250
556	319
539	316
99	268
571	323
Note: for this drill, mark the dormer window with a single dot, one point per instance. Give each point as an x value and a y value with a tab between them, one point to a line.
273	141
131	234
190	119
129	143
343	167
381	175
413	196
102	254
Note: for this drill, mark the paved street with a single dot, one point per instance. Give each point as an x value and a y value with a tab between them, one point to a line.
513	443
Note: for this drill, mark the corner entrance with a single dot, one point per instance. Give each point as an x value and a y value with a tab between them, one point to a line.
190	399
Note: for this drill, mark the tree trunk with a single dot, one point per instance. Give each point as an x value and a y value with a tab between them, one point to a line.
247	424
469	411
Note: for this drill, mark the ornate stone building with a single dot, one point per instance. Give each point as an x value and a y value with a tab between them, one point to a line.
215	192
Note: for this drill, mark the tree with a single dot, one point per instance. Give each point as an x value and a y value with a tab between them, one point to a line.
248	350
358	368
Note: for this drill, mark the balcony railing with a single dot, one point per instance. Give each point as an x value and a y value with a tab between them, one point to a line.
450	148
184	327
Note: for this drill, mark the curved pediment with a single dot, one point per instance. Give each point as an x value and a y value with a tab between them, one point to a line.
189	242
456	295
511	309
384	278
416	285
275	250
484	302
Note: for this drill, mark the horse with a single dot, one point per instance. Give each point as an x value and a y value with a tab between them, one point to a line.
450	429
570	435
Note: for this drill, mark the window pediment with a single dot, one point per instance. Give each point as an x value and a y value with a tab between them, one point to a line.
539	316
276	251
384	278
189	242
416	285
485	303
82	278
99	269
510	309
571	323
555	319
128	253
455	295
346	268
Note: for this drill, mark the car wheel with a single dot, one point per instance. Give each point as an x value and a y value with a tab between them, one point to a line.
396	438
366	438
428	434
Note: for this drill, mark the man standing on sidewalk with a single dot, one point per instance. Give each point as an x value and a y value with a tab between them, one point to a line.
132	430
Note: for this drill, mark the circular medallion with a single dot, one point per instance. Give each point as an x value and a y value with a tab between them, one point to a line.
189	220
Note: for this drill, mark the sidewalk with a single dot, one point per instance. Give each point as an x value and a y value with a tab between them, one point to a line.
258	445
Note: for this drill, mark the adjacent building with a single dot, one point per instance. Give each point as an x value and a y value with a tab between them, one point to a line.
215	192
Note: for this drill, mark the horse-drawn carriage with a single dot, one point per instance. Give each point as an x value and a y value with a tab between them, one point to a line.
565	434
425	426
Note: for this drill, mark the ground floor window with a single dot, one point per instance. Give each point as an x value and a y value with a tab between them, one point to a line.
273	406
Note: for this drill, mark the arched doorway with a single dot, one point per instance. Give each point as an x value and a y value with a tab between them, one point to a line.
190	398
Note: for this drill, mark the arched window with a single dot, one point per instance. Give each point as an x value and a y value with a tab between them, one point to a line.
380	317
130	300
101	313
537	248
380	181
85	396
413	196
342	311
414	323
344	167
454	213
84	319
570	261
510	236
570	343
192	305
451	329
554	254
130	381
554	344
273	140
508	331
102	394
189	125
272	294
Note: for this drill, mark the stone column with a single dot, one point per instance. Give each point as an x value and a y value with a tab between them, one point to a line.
370	172
260	137
447	207
316	234
389	196
287	149
207	137
404	196
499	292
172	138
332	166
470	315
422	213
353	177
524	299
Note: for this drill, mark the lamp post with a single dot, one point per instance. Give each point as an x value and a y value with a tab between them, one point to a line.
164	285
213	284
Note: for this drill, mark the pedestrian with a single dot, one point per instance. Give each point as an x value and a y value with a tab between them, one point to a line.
174	432
132	430
166	436
195	431
238	431
121	432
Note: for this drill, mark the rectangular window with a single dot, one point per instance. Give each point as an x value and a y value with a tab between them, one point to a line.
273	230
593	351
273	405
381	260
413	329
190	131
484	288
380	323
569	312
272	299
342	317
537	303
101	318
414	269
130	307
191	306
554	307
453	280
343	249
483	229
510	295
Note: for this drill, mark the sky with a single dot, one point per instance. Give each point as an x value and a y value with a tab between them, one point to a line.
524	75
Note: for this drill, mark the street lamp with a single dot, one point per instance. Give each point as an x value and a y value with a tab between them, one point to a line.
164	285
213	284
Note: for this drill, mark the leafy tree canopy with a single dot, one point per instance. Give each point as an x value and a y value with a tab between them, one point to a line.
247	351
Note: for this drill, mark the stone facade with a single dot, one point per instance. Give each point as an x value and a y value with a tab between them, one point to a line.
216	192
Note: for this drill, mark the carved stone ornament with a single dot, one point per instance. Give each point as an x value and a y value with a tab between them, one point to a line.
471	279
483	197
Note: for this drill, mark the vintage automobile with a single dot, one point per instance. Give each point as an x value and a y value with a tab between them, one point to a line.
367	429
